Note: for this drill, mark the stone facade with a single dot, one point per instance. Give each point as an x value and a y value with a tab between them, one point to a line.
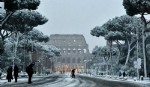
74	51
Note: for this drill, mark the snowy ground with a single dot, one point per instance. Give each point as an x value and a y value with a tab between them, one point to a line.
64	81
4	81
77	82
146	81
67	81
129	79
21	79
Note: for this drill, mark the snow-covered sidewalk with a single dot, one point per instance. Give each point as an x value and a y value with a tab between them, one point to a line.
146	81
4	81
21	79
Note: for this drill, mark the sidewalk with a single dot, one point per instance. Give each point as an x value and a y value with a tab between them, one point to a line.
21	79
146	81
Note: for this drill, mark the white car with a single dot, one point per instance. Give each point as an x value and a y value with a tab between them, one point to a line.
23	74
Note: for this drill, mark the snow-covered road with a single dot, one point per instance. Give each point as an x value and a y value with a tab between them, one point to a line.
66	81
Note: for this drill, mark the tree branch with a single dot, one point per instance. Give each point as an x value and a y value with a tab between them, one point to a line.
148	22
132	48
143	18
4	20
4	32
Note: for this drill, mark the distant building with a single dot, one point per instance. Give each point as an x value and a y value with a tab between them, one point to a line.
74	51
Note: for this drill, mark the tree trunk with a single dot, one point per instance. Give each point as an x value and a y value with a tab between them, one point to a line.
120	53
106	68
110	48
15	48
144	55
137	51
128	55
143	43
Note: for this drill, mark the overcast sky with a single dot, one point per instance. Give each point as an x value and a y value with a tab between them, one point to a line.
79	17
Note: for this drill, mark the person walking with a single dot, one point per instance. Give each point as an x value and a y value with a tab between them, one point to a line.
149	75
29	70
124	74
16	70
9	74
0	73
120	74
73	73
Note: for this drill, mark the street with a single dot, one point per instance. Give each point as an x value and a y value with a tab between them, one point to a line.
53	81
64	80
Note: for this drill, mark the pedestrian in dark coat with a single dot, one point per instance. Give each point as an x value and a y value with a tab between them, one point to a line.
124	74
16	72
29	70
120	74
73	73
0	73
9	74
149	75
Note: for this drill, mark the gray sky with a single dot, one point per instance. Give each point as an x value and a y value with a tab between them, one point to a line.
79	17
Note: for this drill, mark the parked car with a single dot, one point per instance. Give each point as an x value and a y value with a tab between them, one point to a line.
23	74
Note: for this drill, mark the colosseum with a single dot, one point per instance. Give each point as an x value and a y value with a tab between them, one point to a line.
74	51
